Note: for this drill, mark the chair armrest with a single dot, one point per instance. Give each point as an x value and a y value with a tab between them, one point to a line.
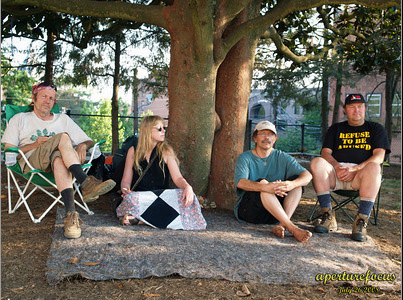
13	149
11	154
95	151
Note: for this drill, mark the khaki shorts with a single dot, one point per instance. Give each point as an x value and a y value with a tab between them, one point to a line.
43	157
343	185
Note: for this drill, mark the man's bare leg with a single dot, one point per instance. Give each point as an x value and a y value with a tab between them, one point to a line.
291	202
272	205
62	175
324	177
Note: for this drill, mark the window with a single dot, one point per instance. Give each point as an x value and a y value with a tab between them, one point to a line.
297	109
374	104
258	112
397	106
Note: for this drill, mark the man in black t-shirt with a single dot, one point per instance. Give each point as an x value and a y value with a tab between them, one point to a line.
351	158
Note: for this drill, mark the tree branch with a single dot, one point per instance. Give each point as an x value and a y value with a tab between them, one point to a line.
285	7
334	29
276	38
150	14
15	11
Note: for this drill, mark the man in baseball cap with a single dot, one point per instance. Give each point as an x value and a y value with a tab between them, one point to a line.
265	125
351	158
269	184
354	98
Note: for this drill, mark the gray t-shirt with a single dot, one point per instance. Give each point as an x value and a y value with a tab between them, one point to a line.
25	128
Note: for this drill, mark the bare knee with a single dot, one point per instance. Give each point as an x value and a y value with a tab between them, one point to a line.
295	194
372	168
65	141
371	171
318	164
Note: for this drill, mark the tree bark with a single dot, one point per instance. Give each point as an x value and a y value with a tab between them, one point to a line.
192	81
390	89
234	80
324	102
115	96
135	102
50	56
337	99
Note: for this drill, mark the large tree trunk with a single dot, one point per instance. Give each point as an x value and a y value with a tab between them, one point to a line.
390	89
191	81
232	98
115	97
337	99
324	101
50	56
135	102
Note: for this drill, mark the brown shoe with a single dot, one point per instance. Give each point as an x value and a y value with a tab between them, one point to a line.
327	222
72	229
93	187
359	233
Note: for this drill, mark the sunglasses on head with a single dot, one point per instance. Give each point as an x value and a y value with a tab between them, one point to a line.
47	84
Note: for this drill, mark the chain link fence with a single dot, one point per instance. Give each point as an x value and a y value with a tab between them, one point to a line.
291	138
99	127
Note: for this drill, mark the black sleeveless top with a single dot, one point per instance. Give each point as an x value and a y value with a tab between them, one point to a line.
154	179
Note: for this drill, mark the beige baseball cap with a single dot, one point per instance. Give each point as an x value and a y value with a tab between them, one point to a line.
265	125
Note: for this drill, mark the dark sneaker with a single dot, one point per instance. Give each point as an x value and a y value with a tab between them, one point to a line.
327	222
93	187
72	229
359	233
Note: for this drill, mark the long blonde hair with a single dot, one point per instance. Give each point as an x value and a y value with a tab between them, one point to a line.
145	144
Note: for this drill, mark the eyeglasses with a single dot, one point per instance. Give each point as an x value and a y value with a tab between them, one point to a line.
266	134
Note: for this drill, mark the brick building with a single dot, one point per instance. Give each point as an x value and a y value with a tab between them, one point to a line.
372	87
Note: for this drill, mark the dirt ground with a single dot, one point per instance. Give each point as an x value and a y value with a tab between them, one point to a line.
25	247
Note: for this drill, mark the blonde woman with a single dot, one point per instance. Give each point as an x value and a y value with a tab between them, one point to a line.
150	167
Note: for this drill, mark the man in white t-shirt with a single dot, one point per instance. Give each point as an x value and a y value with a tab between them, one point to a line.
54	143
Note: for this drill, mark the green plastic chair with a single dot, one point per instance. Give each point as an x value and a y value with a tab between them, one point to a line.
35	178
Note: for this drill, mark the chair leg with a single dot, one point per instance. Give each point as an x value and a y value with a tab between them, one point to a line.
375	210
310	218
340	205
9	192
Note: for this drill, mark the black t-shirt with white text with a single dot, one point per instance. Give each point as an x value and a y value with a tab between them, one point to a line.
355	144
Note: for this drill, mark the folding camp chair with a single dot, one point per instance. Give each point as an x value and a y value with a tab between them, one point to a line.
37	178
349	197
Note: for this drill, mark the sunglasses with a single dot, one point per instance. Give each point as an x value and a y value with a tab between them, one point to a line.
48	84
160	128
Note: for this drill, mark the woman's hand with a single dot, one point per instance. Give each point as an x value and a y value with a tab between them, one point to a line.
188	195
125	191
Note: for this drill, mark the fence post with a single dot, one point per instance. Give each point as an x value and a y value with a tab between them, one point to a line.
302	137
247	140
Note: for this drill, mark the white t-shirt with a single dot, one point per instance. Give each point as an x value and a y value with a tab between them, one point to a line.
25	128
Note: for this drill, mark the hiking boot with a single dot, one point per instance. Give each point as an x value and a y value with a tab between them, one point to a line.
72	229
359	233
93	187
327	222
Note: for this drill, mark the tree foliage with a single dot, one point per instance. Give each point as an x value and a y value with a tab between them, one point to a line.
99	127
16	84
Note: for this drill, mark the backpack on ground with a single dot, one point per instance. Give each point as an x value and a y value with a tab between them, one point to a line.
118	167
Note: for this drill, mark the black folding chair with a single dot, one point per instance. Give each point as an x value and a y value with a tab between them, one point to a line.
349	197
